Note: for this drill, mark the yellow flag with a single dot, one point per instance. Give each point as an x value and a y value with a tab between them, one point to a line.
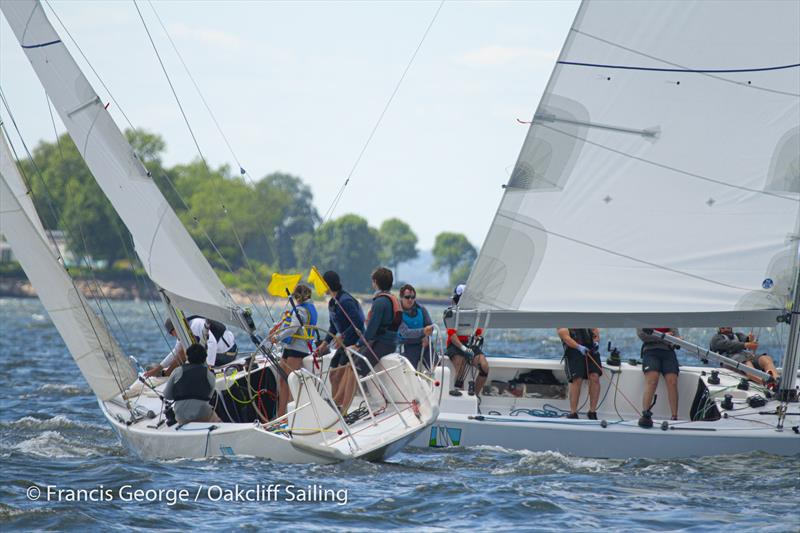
281	283
316	279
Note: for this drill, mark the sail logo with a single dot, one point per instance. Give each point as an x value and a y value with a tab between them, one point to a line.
444	437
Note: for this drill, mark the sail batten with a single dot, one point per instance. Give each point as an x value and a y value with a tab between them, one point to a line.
660	177
169	255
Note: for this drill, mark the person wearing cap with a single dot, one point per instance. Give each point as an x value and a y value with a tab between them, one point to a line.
345	328
191	386
202	335
742	348
465	350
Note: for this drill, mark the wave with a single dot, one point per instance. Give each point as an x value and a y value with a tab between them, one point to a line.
56	422
64	389
52	444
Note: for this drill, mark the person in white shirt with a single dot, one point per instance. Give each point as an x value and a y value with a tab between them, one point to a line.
177	356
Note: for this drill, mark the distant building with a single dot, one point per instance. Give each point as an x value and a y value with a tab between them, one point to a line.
57	240
6	253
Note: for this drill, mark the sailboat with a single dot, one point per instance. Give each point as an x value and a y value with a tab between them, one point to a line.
399	402
658	185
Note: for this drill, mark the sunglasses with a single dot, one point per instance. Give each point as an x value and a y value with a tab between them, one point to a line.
410	296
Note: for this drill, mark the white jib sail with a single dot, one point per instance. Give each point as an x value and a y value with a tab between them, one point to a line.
101	361
658	183
167	251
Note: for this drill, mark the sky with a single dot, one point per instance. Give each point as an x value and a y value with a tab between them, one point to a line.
298	87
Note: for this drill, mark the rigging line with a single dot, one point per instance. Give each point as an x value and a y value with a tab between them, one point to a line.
618	254
55	130
687	70
648	56
82	301
197	145
380	118
242	171
667	167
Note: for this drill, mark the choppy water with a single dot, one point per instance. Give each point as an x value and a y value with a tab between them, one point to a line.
52	433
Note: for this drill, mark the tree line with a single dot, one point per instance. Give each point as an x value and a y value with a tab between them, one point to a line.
245	230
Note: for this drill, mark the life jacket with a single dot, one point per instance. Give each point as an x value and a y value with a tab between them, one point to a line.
193	384
584	337
397	312
216	328
662	330
465	339
307	332
414	322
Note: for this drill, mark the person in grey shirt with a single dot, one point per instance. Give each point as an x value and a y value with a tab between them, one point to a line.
742	348
190	386
658	357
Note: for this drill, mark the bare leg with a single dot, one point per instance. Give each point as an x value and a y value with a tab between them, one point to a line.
594	392
672	393
768	365
480	381
347	388
289	365
574	394
459	365
650	384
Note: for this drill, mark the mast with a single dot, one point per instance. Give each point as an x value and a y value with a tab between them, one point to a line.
791	358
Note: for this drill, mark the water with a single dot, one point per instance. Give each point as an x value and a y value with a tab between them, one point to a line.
52	433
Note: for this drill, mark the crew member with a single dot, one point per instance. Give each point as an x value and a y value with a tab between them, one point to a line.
190	386
581	361
416	329
202	335
658	357
465	350
742	348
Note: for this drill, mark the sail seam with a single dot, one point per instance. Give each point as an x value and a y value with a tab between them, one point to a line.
42	45
625	256
710	75
667	167
688	70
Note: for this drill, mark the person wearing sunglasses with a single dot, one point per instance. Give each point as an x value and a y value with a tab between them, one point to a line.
415	330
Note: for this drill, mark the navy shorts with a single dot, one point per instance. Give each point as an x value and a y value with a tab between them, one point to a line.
577	365
660	360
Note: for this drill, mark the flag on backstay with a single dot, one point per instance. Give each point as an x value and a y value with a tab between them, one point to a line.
283	284
316	279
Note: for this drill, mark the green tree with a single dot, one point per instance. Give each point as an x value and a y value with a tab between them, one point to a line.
460	273
349	246
451	252
398	243
291	201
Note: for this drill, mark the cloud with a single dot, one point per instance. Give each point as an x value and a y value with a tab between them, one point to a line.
496	55
210	37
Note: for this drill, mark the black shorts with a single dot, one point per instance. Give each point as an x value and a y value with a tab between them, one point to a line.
453	351
577	365
288	352
378	351
660	360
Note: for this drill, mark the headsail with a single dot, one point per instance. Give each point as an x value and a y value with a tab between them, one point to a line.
97	354
168	254
659	181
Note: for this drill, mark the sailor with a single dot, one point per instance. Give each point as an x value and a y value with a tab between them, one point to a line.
380	336
582	361
190	387
416	328
742	348
226	342
297	334
346	319
202	335
465	350
658	357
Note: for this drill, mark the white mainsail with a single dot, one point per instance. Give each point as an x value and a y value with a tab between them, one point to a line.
659	181
168	254
101	361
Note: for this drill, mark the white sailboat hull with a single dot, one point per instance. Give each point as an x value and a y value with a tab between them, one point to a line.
460	424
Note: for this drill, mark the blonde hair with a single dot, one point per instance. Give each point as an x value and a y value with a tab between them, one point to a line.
301	293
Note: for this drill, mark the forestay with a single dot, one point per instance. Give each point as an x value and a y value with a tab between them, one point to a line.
168	253
659	179
97	354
